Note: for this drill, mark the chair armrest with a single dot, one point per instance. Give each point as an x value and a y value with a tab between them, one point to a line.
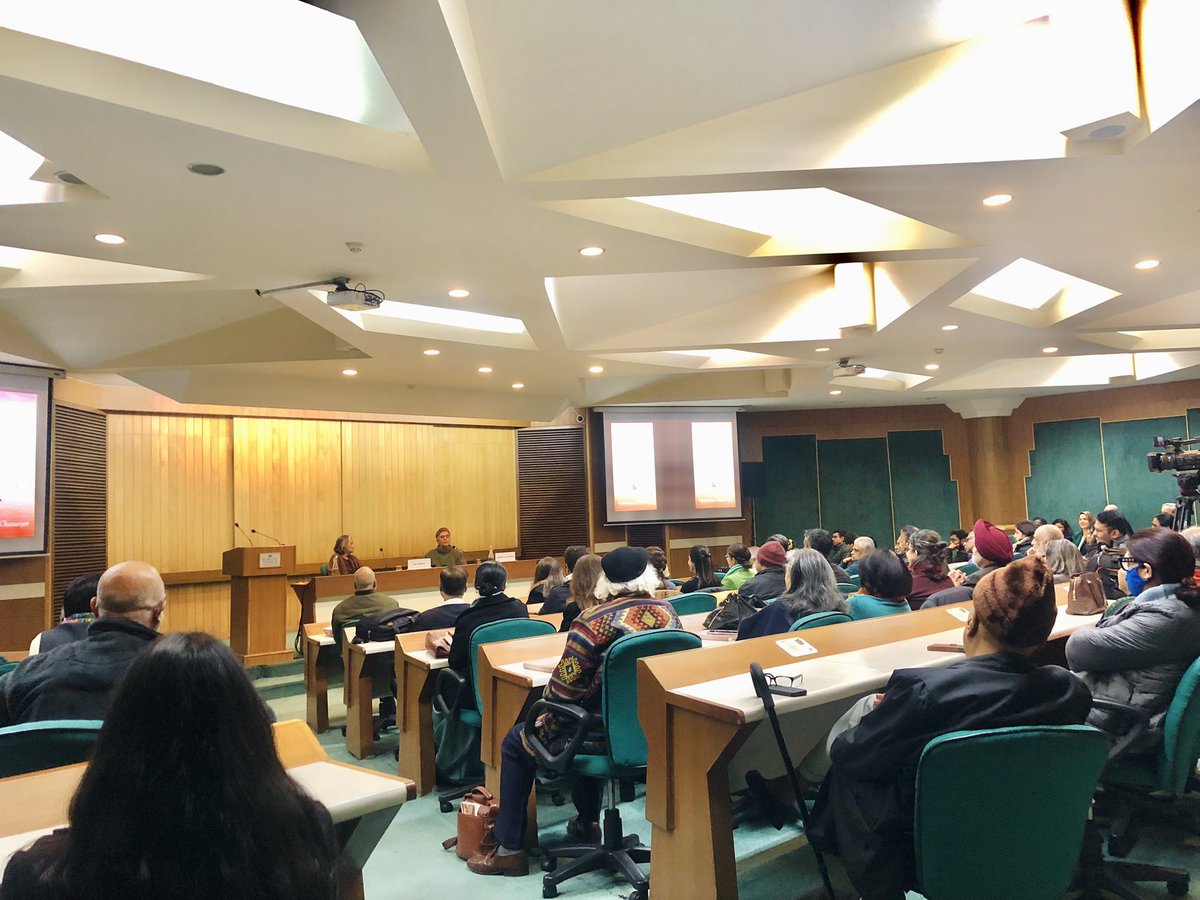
447	691
1141	724
557	762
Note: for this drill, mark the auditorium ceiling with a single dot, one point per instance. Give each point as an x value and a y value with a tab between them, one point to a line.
775	186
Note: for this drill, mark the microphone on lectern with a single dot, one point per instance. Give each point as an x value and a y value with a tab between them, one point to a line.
267	536
243	531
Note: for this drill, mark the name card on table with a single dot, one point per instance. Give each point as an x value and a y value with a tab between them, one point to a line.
423	563
507	556
270	560
796	647
959	613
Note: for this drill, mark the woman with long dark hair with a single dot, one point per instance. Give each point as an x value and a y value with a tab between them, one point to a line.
1140	648
547	575
185	797
700	563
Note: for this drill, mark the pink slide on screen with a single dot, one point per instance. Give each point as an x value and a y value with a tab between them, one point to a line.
18	464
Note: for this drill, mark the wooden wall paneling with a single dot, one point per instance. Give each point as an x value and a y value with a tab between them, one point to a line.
552	489
79	511
24	588
717	536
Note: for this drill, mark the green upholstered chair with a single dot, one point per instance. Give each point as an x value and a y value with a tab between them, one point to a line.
1162	785
819	619
626	758
46	745
690	604
7	667
1015	833
678	582
449	699
848	589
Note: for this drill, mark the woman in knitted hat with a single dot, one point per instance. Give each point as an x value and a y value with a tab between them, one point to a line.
627	605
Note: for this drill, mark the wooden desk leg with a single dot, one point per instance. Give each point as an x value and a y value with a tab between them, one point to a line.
360	740
414	721
316	688
507	705
692	849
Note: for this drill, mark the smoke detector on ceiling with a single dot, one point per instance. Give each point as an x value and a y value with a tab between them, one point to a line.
847	369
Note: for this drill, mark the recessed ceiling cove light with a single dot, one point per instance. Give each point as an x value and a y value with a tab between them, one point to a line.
821	350
1146	264
459	293
205	169
835	393
596	370
110	239
1049	349
485	370
433	352
349	371
517	385
997	199
932	367
949	328
591	251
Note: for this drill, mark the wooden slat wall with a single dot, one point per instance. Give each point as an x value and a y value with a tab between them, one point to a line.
552	486
80	510
400	483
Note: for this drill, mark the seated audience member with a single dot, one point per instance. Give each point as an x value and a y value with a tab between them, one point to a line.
1024	536
768	581
77	616
926	560
547	575
1068	533
902	537
864	811
990	550
1163	520
1139	650
365	601
737	559
1112	507
1192	536
1063	559
956	547
77	680
627	605
343	561
1087	537
184	796
658	559
445	553
859	549
493	605
557	597
809	587
842	540
1042	536
818	539
583	589
1112	530
452	585
701	567
886	586
783	541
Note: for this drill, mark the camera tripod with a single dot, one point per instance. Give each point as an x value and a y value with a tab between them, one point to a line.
1188	500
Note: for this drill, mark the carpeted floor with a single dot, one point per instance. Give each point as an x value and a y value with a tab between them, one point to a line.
409	861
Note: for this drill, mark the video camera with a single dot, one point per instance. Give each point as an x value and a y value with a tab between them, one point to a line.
1174	459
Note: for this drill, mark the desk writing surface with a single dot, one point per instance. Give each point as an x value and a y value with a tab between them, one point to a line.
349	792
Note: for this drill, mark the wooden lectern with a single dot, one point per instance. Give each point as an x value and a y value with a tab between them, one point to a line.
258	590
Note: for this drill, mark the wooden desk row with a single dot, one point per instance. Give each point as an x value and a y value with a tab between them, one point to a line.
362	803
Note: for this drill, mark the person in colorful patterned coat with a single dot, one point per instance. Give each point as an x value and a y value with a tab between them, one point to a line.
627	605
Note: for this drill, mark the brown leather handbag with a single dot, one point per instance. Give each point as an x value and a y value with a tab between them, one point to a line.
1085	597
476	815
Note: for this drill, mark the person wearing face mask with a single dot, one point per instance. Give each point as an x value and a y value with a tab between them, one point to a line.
1140	648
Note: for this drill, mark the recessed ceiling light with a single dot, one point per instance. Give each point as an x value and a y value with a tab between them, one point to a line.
949	328
821	350
834	393
1146	264
997	199
591	251
110	239
485	370
459	293
432	352
349	371
205	169
517	386
932	367
69	177
596	370
1049	349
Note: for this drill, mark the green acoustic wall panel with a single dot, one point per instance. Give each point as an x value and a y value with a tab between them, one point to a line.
922	492
855	493
1193	420
1131	485
790	504
1067	470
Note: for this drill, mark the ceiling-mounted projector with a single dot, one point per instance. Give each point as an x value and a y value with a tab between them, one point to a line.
356	299
847	369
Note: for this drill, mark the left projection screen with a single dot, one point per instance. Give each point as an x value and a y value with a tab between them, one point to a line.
24	463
